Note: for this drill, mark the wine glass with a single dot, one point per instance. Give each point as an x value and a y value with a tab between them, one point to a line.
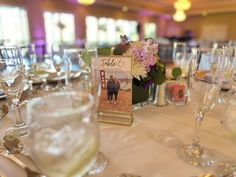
204	87
42	69
179	48
58	62
29	59
86	62
229	121
12	82
64	137
229	67
230	75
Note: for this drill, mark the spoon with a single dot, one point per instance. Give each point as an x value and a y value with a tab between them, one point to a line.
13	146
128	175
2	174
29	172
205	175
4	110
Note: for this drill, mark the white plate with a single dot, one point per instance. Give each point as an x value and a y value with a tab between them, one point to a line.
54	78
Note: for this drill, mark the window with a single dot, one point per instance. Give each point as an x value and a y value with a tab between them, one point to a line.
14	28
106	31
59	28
150	30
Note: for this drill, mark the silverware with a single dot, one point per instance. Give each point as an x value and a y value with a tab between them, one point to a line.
13	146
128	175
231	174
4	110
29	172
205	175
2	174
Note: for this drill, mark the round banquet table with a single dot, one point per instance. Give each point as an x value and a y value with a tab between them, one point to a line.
148	147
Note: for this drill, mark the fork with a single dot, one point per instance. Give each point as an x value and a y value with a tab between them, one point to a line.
29	172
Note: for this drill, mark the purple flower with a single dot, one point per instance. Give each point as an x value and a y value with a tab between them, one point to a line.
145	52
148	83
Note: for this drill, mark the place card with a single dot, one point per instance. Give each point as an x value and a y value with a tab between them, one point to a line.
116	94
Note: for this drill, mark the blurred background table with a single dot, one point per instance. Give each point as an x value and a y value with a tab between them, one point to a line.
148	147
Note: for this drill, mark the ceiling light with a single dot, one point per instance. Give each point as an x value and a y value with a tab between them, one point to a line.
86	2
204	14
125	8
182	4
179	16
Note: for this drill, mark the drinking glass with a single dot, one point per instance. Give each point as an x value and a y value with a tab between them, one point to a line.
229	69
64	137
42	69
58	62
203	88
230	75
179	48
86	62
229	122
181	57
12	82
29	59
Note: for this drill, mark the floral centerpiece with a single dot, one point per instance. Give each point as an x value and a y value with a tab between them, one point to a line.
147	68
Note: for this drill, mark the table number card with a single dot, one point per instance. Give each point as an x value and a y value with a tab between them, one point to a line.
116	94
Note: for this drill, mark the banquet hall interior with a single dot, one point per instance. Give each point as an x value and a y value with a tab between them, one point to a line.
117	88
43	22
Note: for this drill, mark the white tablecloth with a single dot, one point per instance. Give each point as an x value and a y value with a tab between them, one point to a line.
148	147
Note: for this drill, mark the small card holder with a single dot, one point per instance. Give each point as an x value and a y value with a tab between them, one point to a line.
116	90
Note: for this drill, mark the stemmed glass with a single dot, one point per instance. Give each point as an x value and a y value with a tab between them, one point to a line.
230	54
42	69
229	71
229	122
179	51
12	82
204	87
86	62
58	62
181	57
29	59
64	137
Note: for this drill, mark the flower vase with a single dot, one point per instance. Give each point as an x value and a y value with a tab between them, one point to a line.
140	96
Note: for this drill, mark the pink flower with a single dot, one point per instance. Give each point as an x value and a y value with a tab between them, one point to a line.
145	53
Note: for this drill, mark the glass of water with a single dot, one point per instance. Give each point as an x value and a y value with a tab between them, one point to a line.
86	62
64	137
12	82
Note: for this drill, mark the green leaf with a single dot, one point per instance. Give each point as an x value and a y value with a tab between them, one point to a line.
160	66
104	51
86	58
158	77
176	72
118	51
